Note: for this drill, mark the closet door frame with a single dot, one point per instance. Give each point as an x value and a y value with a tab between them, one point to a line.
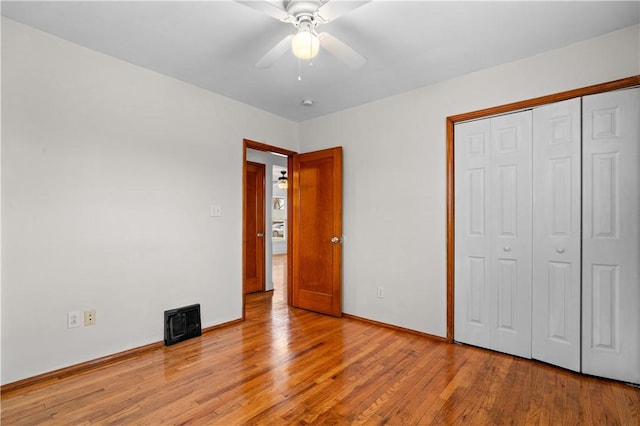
502	109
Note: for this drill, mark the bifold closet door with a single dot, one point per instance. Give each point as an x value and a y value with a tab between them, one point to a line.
511	217
556	234
493	233
611	235
472	176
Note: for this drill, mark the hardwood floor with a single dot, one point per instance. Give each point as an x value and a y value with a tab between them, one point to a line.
279	273
288	366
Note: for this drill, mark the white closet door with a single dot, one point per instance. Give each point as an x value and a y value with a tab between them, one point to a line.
611	235
556	234
472	242
493	233
510	219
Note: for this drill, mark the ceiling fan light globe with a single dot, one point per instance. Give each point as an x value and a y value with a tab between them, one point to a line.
305	45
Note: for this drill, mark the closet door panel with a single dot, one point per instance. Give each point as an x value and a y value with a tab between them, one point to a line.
510	212
472	154
556	234
611	235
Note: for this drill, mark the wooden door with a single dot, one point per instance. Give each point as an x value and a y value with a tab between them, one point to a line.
611	235
317	231
557	141
254	207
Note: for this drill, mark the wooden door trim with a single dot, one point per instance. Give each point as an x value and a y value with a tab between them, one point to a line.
259	146
483	113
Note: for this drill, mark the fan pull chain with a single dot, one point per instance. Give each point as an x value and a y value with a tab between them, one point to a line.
299	70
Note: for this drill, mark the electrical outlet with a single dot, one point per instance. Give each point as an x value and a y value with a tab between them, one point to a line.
73	319
380	292
90	317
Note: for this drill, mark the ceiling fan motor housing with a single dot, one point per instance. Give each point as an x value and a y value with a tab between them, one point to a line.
303	10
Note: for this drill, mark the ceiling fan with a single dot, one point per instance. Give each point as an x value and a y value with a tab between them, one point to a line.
306	16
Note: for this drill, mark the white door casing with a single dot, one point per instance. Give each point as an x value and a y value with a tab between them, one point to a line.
556	234
611	235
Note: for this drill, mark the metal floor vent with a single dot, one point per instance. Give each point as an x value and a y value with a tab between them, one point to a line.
181	324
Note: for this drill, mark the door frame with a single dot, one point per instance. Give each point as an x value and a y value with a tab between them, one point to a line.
259	146
502	109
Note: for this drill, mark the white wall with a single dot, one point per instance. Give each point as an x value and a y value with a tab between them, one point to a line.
108	174
395	173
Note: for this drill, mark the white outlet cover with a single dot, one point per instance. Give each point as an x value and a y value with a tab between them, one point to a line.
73	319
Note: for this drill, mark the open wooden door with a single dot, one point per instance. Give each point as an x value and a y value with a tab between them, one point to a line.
254	262
317	231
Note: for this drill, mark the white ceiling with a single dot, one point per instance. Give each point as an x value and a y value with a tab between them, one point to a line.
408	44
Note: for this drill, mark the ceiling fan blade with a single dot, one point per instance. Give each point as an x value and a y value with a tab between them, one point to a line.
275	53
335	8
269	8
341	51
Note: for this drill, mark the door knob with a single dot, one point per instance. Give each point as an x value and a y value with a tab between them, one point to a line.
336	240
260	234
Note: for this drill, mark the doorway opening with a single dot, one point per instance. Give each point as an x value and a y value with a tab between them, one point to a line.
279	225
314	248
276	233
